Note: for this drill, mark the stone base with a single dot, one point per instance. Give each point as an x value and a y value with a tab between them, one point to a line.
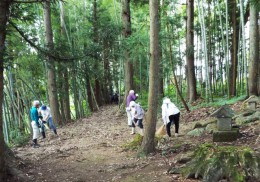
225	136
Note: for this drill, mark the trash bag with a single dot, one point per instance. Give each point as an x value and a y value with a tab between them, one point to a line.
161	131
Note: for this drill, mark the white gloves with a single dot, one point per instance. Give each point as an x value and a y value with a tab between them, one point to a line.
136	95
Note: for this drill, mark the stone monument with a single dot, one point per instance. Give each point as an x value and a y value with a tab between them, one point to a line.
225	132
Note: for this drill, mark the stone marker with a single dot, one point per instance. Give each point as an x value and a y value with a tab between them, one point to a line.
224	116
252	102
225	132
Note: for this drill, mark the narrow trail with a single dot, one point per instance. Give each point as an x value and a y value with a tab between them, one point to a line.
90	150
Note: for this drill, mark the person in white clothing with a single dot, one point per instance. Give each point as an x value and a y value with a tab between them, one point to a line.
47	118
137	114
132	96
35	122
170	114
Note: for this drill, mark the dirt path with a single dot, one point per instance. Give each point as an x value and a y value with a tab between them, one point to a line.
90	150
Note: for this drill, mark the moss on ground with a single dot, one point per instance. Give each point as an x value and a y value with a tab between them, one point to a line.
213	163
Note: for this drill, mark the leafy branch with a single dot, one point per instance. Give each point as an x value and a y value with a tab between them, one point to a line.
35	1
46	52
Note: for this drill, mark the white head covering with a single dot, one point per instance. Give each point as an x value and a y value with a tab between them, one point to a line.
132	103
36	102
166	101
131	92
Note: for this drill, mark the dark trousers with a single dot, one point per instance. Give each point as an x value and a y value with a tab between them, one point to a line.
138	122
173	119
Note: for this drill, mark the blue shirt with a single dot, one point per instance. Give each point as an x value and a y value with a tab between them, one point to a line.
34	115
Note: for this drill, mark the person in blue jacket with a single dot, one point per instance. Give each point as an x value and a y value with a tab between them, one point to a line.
35	122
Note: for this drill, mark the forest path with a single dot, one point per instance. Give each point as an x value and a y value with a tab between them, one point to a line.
90	150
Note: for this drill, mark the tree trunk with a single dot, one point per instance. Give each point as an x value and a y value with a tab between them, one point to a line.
190	51
75	91
65	75
98	91
234	47
160	91
4	9
52	90
129	72
254	51
107	75
60	91
148	144
89	95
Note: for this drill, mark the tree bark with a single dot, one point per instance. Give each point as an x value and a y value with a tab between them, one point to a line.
4	10
148	144
190	51
52	90
107	75
89	95
129	71
234	47
253	51
98	91
65	74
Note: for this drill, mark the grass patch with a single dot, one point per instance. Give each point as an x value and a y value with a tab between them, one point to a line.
20	141
134	144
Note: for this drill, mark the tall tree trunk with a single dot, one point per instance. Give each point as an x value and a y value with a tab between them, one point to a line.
160	91
209	49
98	91
52	90
4	10
60	91
65	74
190	51
75	91
205	49
254	51
176	83
234	47
129	72
148	144
89	95
227	50
86	69
107	75
243	42
258	54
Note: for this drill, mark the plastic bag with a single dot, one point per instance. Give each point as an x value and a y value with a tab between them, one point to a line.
161	131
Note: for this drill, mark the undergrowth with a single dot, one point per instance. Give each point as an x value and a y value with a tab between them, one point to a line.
213	163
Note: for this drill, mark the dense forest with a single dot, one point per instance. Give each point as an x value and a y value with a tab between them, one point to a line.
73	55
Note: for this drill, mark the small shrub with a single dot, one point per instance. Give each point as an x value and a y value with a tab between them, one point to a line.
134	144
213	163
20	140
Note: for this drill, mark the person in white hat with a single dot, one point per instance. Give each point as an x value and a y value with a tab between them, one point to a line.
170	114
137	113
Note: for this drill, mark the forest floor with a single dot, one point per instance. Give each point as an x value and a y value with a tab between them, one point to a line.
90	150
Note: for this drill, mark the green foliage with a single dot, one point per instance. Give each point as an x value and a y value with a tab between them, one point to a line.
134	144
19	140
219	102
213	163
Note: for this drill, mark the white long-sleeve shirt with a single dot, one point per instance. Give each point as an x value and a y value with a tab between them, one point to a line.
46	114
168	109
137	112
